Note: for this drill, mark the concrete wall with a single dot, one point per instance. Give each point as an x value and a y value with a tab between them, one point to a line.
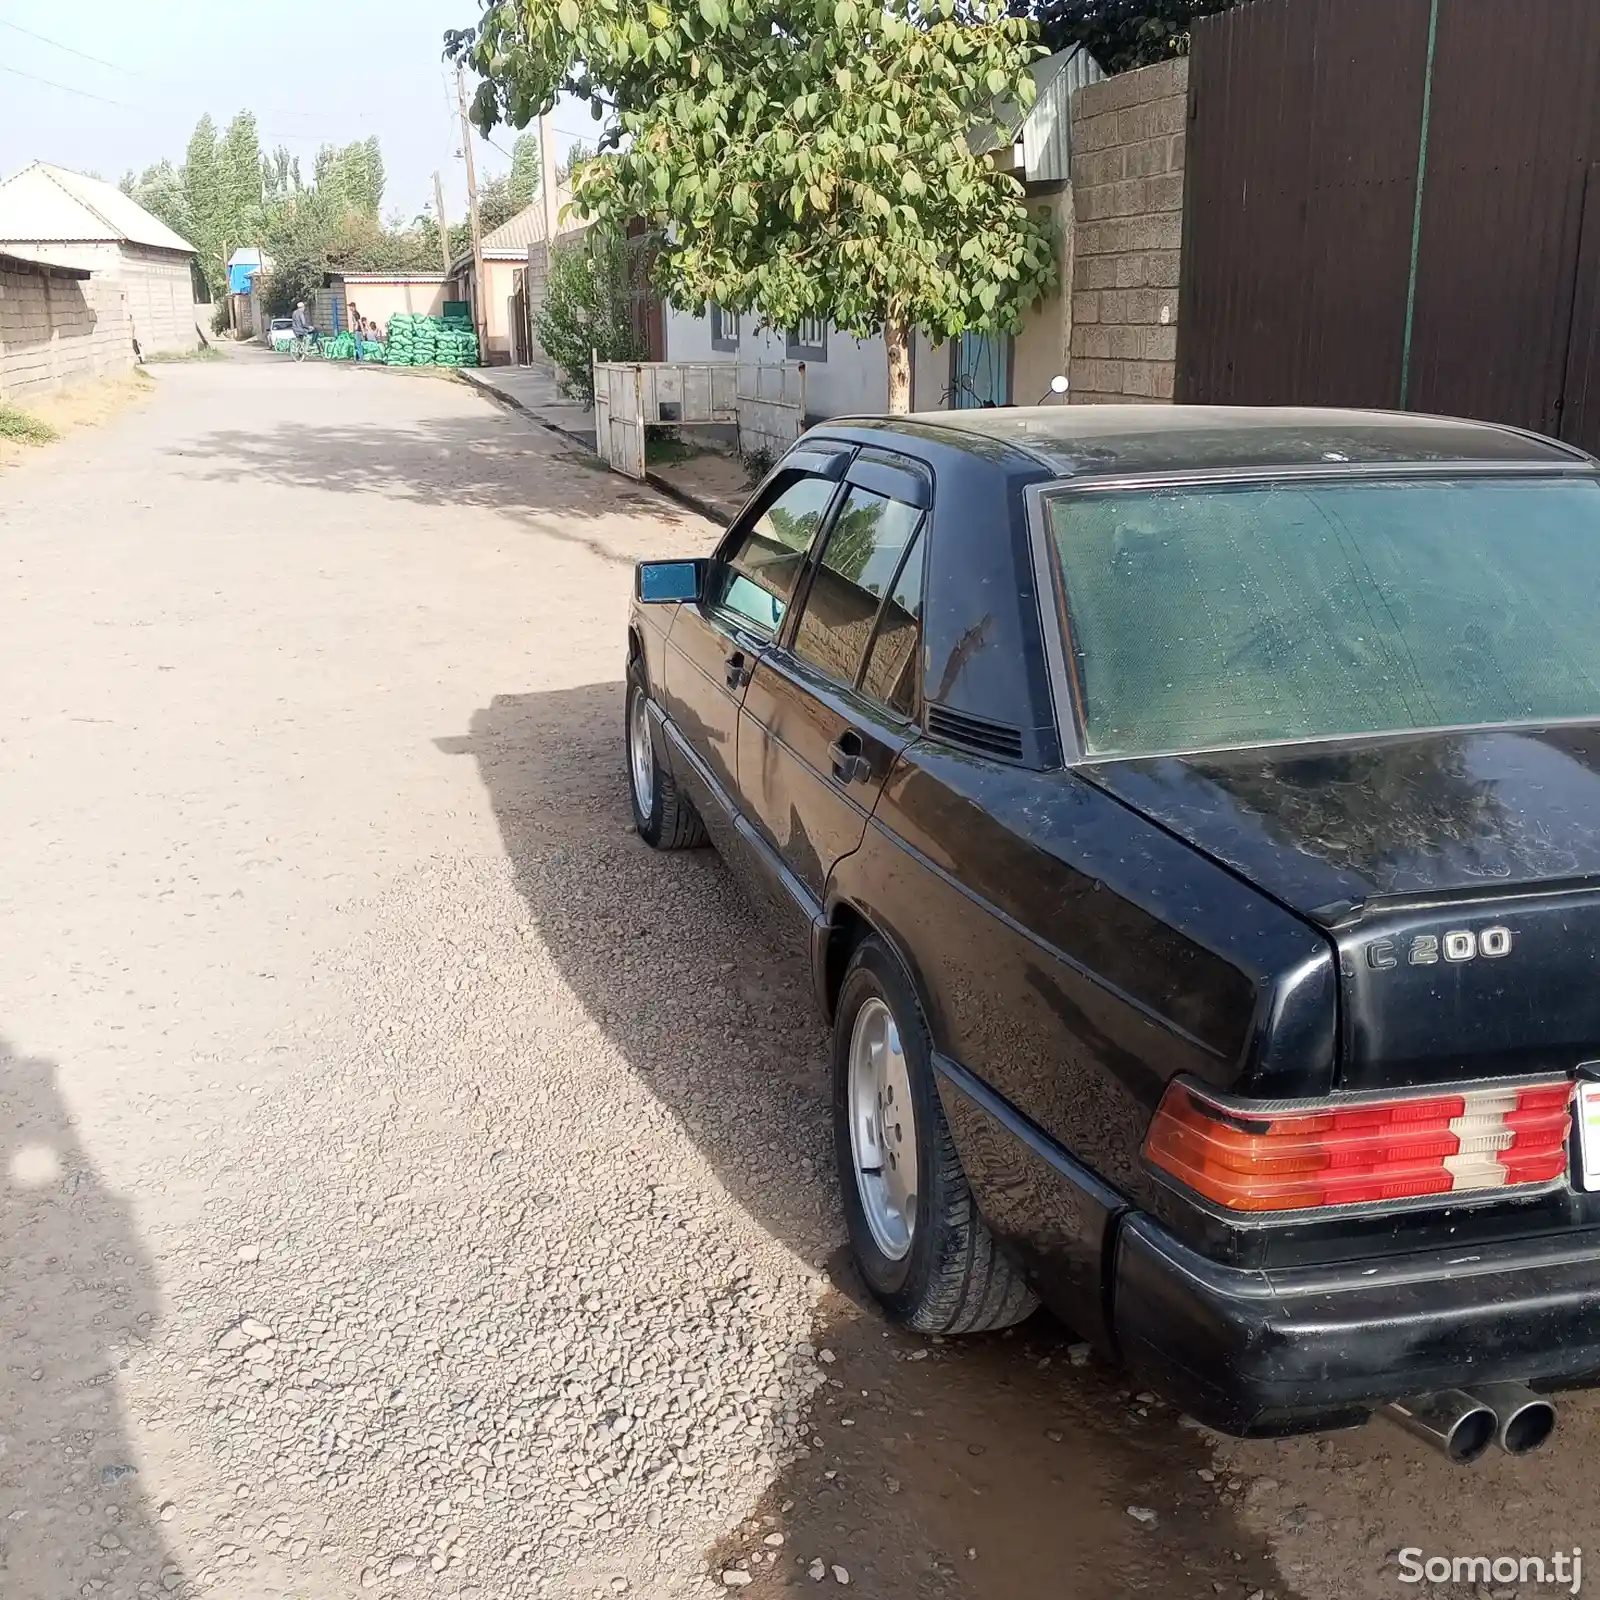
1042	347
158	283
852	381
377	302
59	331
161	303
1127	177
500	282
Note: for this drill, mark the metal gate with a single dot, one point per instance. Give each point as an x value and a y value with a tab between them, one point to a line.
1388	203
765	400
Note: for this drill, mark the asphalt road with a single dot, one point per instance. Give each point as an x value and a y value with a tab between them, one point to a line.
410	1184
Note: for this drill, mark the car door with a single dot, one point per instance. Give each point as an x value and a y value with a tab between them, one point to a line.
831	705
715	642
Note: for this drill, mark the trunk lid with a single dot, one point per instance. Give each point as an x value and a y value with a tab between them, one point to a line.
1457	874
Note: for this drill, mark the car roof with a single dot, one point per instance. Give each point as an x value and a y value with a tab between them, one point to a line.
1115	440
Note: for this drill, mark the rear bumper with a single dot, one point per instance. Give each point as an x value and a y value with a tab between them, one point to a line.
1291	1351
1277	1350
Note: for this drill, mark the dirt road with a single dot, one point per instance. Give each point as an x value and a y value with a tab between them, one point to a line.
412	1186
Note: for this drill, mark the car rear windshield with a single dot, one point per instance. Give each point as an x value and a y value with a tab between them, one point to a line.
1250	613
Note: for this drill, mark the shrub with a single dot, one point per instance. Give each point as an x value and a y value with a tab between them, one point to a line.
588	309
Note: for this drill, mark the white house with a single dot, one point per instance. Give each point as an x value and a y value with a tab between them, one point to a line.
64	217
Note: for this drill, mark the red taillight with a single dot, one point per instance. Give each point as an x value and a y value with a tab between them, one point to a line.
1361	1154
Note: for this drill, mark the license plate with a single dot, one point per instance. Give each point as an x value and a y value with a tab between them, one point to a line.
1588	1113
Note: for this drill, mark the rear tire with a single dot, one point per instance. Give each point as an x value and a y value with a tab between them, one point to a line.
944	1273
662	814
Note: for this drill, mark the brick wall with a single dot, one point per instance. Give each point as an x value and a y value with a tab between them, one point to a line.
1127	182
59	331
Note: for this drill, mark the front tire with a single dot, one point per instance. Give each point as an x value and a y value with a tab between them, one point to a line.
662	814
915	1231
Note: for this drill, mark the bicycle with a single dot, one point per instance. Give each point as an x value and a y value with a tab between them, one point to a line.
305	344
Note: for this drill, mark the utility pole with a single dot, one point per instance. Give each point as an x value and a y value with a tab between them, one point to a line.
444	227
479	310
547	183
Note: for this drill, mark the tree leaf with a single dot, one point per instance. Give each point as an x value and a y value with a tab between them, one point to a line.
567	15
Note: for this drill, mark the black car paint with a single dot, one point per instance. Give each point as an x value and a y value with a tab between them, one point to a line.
1081	933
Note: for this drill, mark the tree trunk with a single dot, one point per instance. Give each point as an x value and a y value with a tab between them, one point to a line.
898	344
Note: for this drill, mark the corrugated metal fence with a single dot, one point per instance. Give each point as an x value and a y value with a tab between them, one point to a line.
1313	270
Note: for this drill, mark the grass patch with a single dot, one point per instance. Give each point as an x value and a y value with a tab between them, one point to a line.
22	427
50	415
205	352
663	447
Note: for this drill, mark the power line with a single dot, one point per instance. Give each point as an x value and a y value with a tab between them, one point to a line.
72	50
143	111
66	88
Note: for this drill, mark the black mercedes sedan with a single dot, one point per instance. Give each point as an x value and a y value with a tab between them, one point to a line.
1191	821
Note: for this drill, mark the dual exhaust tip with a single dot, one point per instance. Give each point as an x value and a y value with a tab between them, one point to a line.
1462	1423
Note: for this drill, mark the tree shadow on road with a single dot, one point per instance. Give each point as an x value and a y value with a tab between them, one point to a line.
79	1294
986	1468
485	459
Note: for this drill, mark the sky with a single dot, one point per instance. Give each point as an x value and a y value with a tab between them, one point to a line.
166	62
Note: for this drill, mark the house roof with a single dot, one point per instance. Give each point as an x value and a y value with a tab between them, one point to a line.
44	203
510	241
1045	131
18	258
387	277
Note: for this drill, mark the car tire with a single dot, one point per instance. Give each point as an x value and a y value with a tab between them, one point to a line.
662	814
950	1276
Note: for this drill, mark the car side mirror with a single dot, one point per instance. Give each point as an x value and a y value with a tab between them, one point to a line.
658	583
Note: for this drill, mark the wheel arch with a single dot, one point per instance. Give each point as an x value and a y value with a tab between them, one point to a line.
849	923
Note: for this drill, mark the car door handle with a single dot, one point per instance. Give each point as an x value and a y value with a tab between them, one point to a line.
738	672
849	765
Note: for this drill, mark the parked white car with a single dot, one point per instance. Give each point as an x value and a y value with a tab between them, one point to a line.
280	333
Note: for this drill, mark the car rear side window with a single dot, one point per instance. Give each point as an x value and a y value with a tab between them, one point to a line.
890	675
859	565
758	576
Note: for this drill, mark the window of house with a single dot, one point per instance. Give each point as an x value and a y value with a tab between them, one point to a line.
808	341
724	329
758	576
859	566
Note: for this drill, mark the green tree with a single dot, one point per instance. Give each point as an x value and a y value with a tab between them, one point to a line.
351	175
202	188
280	175
1122	34
803	161
160	190
588	308
496	203
239	171
525	170
567	171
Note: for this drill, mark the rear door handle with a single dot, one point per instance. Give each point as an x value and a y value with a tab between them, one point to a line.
849	765
737	672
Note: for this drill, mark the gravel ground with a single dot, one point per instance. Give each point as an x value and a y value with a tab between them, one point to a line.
413	1186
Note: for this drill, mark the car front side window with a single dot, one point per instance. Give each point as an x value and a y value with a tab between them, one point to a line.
859	565
757	577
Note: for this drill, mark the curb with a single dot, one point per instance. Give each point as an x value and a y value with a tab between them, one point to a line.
684	497
511	403
688	498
